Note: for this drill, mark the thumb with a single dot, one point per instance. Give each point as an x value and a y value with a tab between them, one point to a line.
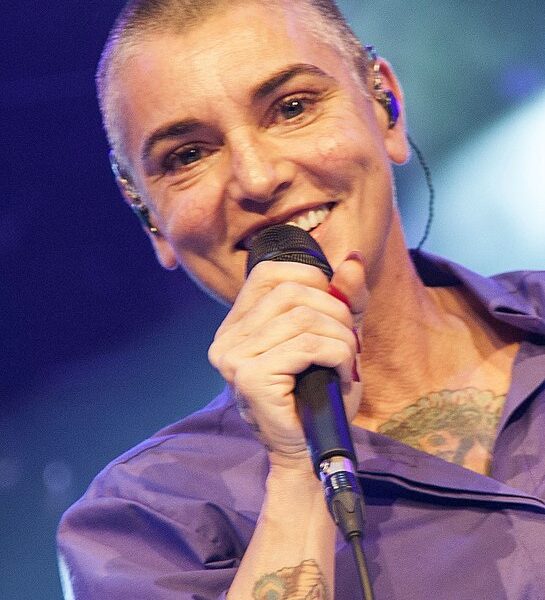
349	280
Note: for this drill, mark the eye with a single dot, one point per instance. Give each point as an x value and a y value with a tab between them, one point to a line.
293	109
183	157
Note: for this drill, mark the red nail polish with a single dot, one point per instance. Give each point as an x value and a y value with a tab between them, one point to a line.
358	345
355	374
336	293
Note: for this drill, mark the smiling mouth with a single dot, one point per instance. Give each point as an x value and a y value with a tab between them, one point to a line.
307	220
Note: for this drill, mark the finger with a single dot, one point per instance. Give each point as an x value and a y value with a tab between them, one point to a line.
268	393
266	276
285	297
295	300
293	357
349	280
227	356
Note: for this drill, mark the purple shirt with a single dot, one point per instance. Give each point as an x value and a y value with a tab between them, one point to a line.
171	518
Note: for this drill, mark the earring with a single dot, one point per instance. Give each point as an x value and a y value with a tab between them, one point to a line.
138	207
142	212
385	97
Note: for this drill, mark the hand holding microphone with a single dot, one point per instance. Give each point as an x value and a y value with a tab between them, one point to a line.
288	350
283	321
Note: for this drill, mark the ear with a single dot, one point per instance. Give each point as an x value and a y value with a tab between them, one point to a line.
395	138
163	250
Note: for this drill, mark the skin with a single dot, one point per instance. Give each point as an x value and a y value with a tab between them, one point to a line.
260	167
251	160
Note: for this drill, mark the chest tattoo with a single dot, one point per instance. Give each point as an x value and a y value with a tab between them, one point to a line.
456	425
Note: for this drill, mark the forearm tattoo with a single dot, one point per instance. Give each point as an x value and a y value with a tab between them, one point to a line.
457	425
303	582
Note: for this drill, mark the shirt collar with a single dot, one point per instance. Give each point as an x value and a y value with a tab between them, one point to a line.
516	298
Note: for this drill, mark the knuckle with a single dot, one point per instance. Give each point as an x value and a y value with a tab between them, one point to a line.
225	363
213	355
346	347
228	366
351	344
289	291
346	315
303	316
308	342
342	313
243	377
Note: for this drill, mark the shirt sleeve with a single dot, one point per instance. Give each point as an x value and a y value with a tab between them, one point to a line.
121	549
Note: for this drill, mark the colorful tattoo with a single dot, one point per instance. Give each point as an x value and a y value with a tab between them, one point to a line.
303	582
458	426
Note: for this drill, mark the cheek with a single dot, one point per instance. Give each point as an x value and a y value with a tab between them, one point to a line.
341	154
192	221
212	278
328	148
347	140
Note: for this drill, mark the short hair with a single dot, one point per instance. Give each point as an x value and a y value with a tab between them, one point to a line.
141	20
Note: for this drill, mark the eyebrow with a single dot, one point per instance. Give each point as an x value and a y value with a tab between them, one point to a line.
281	77
262	90
168	132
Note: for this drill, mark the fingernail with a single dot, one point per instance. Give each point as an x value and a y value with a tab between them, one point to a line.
355	374
358	344
336	293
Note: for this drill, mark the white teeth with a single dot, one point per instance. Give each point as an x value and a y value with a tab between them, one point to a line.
307	220
311	218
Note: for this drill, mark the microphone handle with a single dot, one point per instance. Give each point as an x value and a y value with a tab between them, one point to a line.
320	408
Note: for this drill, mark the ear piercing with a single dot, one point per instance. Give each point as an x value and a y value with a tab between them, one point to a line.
385	97
138	207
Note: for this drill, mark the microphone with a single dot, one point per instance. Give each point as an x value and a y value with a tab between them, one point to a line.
318	396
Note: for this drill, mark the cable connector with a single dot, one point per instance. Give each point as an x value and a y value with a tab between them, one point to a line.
343	495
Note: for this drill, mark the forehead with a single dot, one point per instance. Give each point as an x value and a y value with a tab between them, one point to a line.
228	35
233	45
216	63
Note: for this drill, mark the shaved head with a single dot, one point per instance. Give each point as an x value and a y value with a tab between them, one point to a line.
142	20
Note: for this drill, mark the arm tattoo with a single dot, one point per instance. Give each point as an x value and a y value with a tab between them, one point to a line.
458	426
303	582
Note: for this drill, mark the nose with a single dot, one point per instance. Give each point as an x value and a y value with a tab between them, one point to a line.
259	171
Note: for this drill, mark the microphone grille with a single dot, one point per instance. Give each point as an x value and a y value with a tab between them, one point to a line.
287	243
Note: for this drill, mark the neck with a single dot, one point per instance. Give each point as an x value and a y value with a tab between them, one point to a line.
417	340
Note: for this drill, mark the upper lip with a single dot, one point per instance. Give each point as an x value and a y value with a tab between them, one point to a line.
277	220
